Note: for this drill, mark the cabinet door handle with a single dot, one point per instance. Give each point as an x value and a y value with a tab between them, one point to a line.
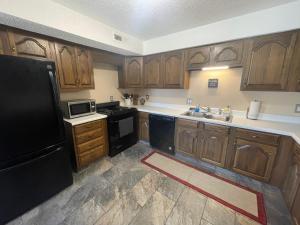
213	137
13	49
254	136
146	124
243	147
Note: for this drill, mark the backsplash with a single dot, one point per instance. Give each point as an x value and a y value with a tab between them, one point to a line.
227	93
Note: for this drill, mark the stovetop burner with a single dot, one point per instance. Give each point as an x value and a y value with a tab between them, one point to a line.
113	108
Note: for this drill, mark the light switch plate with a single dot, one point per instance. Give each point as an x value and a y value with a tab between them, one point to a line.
297	109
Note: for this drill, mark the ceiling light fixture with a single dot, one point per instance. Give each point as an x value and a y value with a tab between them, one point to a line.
215	68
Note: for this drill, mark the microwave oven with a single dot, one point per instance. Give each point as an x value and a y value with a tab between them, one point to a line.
77	108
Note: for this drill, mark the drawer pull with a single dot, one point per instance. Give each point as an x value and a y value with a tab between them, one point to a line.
254	136
213	137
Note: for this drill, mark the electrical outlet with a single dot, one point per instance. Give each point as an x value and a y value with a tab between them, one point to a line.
189	101
111	98
297	108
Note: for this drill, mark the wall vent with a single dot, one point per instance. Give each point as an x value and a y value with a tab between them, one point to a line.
117	37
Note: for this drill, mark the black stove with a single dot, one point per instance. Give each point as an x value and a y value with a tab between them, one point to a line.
113	109
122	126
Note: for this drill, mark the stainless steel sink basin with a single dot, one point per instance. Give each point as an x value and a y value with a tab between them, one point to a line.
207	116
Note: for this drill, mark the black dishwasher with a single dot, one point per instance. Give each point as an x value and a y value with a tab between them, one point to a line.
162	130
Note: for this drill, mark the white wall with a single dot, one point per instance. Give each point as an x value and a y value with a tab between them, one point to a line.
50	18
281	18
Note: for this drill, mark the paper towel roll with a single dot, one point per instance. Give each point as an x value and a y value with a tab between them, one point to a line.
253	111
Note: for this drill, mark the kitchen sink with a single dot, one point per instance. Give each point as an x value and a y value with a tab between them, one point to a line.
207	115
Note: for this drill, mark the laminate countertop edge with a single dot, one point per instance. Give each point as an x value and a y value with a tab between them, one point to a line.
281	128
85	119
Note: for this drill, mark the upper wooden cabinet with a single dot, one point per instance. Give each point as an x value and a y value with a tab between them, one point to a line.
153	76
229	54
173	70
224	54
212	144
74	65
4	44
66	66
268	62
84	64
27	45
197	57
133	72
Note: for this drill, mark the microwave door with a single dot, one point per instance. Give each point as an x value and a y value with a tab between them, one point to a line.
79	109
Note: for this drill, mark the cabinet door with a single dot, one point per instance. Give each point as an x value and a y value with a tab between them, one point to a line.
84	64
173	69
228	54
295	208
196	58
30	46
186	140
212	144
268	62
144	129
134	72
152	71
4	44
66	63
254	159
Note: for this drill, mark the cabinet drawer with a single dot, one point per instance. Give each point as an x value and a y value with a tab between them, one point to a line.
90	144
261	137
88	136
216	128
98	124
187	123
92	155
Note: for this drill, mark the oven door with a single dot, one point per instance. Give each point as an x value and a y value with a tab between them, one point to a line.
123	132
77	109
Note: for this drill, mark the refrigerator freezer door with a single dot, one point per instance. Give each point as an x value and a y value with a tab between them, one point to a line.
29	184
30	118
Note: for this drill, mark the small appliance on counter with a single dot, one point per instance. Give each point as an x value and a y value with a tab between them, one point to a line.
77	108
122	126
253	110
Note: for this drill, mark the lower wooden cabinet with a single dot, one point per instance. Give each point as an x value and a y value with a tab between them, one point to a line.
186	136
253	156
144	126
212	144
88	142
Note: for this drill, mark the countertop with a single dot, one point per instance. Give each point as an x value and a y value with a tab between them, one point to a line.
282	128
85	119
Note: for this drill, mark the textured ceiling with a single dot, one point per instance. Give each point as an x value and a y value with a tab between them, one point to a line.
146	19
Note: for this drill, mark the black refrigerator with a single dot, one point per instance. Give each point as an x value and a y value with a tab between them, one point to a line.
34	163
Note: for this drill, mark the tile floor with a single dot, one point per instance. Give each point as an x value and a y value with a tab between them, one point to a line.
123	191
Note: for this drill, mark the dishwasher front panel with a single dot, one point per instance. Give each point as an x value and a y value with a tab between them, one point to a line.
162	132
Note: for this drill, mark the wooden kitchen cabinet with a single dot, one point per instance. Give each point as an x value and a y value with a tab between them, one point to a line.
153	76
186	136
74	66
198	57
88	142
228	54
66	66
292	181
133	72
27	45
144	126
268	62
212	143
254	154
4	44
173	70
84	64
